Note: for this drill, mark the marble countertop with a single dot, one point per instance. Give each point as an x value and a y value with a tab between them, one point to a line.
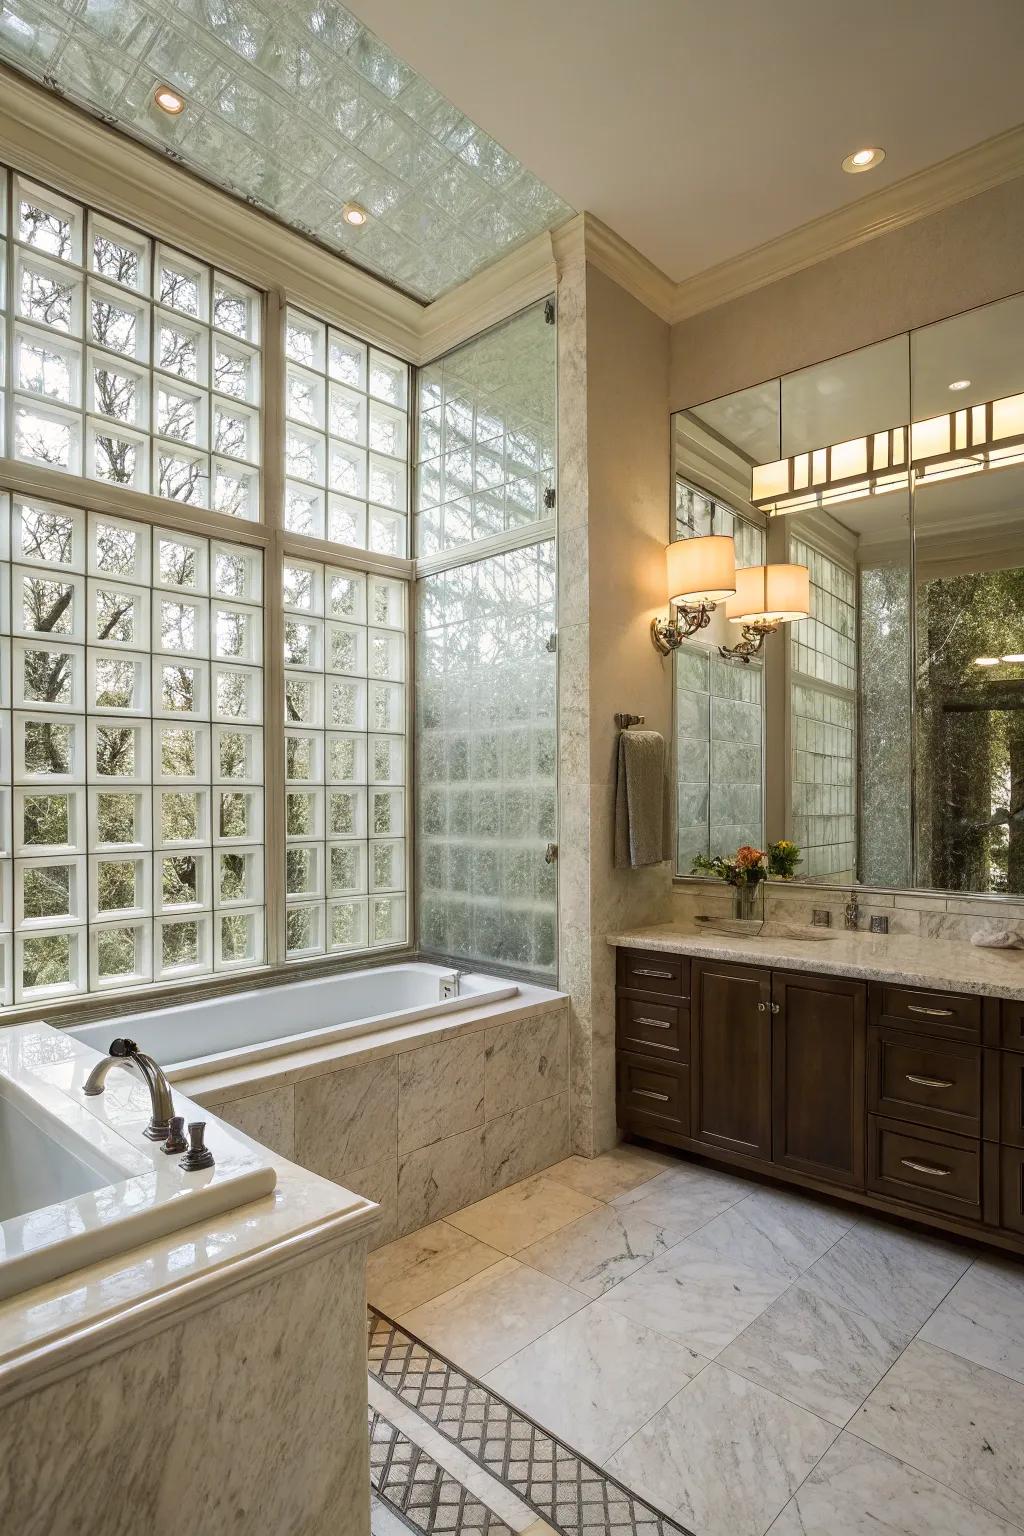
938	964
70	1317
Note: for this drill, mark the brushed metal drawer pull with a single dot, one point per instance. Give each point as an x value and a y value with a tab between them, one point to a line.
653	1023
929	1082
931	1013
661	975
936	1173
649	1093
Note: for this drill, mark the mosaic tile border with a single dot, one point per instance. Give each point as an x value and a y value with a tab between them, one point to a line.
424	1496
564	1488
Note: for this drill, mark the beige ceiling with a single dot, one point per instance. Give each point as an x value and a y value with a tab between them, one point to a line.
698	129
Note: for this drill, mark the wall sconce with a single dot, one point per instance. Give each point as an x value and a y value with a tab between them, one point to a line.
765	597
701	572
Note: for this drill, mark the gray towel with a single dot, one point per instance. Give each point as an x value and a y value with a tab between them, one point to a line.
640	800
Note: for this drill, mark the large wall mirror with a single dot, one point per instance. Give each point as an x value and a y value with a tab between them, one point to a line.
884	733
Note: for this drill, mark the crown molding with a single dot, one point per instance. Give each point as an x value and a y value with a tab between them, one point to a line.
521	278
44	136
951	181
624	264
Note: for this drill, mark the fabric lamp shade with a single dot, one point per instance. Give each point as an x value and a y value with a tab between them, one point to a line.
701	570
777	594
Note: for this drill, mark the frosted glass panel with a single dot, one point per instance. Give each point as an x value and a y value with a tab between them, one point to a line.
486	440
486	757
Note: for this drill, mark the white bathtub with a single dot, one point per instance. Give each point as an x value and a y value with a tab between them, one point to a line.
257	1025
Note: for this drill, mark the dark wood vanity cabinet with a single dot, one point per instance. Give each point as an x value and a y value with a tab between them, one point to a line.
818	1033
731	1022
908	1101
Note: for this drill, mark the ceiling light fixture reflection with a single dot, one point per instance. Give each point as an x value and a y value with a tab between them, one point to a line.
169	100
987	661
989	435
863	160
958	384
355	214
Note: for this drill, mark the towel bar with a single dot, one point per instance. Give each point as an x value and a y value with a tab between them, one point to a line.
625	721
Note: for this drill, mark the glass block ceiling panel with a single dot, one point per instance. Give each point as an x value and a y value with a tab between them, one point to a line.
296	107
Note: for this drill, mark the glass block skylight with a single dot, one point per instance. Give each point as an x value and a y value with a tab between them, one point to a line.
295	106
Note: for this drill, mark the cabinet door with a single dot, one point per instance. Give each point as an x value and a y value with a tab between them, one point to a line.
731	1062
818	1076
1011	1128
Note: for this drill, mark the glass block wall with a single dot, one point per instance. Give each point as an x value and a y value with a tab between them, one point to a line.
132	696
486	435
698	514
486	760
719	754
127	361
345	759
823	710
347	439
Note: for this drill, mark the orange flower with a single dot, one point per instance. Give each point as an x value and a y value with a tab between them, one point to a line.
747	857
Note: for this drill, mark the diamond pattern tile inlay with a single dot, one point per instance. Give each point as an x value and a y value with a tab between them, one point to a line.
430	1499
295	106
573	1495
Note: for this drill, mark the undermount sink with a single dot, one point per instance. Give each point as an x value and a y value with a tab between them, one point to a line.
743	928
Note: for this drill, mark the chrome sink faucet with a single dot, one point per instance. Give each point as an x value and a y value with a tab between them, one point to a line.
125	1053
851	912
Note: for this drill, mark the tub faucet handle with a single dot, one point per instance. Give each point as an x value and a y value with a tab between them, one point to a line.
176	1136
121	1047
198	1154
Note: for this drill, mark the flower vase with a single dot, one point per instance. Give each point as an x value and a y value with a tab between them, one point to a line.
744	902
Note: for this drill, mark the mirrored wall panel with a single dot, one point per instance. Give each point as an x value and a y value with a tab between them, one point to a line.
884	732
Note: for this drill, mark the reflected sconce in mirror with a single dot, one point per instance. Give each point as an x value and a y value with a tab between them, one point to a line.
701	572
765	597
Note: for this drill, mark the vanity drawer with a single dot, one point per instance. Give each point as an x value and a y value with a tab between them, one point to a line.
931	1013
925	1167
929	1081
641	972
1011	1189
652	1095
1011	1108
1013	1026
654	1028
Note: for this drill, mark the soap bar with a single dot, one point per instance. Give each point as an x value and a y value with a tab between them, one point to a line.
1000	938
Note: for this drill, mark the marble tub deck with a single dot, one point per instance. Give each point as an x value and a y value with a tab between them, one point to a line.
748	1359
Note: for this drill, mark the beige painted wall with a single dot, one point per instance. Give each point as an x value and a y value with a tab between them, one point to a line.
966	255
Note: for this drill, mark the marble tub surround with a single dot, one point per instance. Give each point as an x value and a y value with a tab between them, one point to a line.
83	1180
423	1121
57	1323
748	1359
941	963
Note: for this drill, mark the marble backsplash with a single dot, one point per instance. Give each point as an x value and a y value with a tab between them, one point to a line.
916	913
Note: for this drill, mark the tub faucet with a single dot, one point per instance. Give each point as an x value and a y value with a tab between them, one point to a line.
451	986
125	1053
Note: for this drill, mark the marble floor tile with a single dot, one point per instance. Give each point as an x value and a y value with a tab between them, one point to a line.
596	1252
486	1319
957	1421
888	1273
801	1229
819	1355
614	1173
384	1521
857	1490
523	1213
595	1379
694	1296
724	1456
417	1268
982	1318
683	1198
768	1243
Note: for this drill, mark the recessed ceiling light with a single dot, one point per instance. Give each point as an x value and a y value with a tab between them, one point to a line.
863	160
169	100
987	661
354	213
1015	656
960	384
